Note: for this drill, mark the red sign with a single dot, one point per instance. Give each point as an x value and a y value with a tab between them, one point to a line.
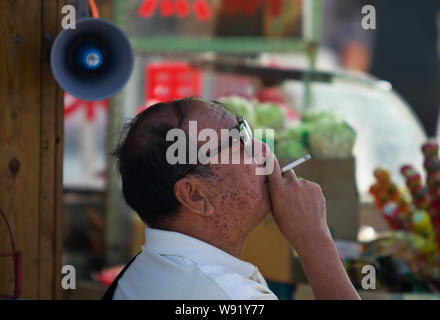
171	80
181	8
72	104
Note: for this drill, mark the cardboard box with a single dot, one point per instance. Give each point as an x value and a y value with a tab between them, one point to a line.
271	253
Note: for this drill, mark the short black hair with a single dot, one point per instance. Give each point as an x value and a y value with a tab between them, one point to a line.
147	177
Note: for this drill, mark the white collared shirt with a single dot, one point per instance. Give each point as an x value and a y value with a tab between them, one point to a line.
174	266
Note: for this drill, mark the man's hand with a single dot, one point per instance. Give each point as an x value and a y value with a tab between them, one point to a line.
298	207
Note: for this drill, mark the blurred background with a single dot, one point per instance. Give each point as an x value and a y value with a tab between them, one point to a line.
362	101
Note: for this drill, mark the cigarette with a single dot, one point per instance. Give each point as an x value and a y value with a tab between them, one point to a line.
296	163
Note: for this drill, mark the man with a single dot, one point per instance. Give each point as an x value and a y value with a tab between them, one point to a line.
199	215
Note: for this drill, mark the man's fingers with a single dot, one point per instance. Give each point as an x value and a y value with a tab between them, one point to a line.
275	177
313	186
290	176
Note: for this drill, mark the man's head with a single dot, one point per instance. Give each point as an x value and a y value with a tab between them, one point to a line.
221	200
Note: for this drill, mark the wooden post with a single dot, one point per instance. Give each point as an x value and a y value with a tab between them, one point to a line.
31	128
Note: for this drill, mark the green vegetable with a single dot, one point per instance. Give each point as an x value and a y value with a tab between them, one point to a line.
297	132
269	115
292	142
241	106
313	115
331	138
289	150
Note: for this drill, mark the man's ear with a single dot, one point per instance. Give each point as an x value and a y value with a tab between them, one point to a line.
193	195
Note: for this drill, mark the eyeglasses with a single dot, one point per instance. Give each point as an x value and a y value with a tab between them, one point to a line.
245	138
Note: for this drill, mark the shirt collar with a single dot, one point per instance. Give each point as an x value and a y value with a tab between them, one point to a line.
200	252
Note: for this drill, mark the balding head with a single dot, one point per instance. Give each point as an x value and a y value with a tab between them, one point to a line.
147	178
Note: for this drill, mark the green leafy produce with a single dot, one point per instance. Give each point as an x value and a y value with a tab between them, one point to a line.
241	106
331	138
269	115
264	135
289	150
297	132
322	133
292	142
313	115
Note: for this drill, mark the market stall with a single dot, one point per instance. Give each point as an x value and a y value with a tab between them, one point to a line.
261	60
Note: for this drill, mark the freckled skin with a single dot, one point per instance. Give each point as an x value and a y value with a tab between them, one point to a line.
239	197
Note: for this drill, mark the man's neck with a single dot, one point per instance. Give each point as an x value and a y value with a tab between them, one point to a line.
226	242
